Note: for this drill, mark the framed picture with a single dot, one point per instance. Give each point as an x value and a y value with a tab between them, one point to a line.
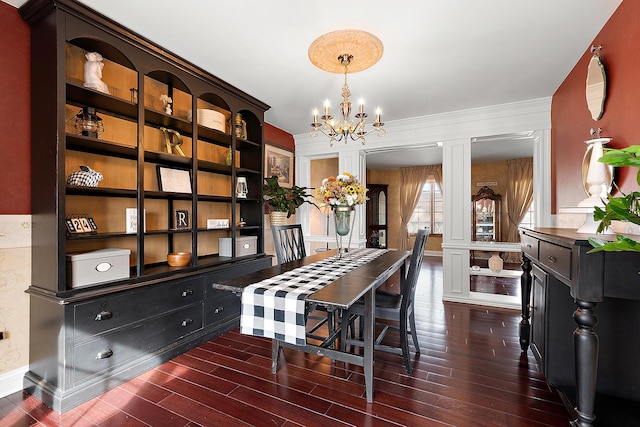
278	162
181	219
174	180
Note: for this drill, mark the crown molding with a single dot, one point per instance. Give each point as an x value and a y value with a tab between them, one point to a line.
500	119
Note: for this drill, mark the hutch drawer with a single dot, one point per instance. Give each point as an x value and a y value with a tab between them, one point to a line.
103	354
115	311
221	309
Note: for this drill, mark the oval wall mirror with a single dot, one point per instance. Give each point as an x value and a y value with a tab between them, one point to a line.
596	90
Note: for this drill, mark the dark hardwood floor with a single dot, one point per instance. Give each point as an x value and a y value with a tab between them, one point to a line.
471	372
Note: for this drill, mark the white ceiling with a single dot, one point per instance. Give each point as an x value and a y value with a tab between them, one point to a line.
439	55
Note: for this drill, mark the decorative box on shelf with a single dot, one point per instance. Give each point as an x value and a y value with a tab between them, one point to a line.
245	245
102	265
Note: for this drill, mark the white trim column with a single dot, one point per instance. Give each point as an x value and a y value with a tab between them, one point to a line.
456	177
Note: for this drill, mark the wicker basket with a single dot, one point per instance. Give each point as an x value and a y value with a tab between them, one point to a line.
277	218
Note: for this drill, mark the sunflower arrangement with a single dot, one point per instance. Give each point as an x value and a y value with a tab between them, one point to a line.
341	190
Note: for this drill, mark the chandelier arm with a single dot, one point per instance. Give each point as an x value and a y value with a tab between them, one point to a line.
333	135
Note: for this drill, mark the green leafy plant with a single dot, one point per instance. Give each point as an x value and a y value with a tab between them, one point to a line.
625	208
282	199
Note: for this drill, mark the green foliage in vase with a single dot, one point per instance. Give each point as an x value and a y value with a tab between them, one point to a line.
282	199
625	208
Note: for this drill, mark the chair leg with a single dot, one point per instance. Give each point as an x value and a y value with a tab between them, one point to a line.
275	355
404	343
414	334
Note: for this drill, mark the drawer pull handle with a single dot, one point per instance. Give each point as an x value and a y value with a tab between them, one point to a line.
187	293
103	267
218	310
552	258
104	354
103	315
186	322
529	245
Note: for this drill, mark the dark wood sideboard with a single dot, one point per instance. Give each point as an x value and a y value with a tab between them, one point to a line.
585	313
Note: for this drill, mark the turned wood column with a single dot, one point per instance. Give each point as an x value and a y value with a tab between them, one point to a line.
525	291
585	342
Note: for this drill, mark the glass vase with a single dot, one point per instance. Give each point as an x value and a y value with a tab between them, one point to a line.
344	223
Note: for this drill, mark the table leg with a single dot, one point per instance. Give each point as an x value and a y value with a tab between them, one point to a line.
369	320
585	343
525	291
275	355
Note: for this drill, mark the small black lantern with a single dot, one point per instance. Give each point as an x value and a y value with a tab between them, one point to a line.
88	123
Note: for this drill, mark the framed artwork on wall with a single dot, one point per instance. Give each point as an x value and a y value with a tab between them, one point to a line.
278	162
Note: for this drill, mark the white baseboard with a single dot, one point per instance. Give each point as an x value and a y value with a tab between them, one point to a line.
433	253
12	381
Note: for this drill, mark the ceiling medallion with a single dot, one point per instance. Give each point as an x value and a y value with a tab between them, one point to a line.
344	51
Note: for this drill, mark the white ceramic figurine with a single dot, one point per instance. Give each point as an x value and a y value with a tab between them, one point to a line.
93	72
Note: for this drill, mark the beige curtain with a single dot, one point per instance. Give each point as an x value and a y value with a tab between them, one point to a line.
518	199
412	180
436	171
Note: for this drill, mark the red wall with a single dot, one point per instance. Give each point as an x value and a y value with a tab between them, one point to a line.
276	136
571	120
15	129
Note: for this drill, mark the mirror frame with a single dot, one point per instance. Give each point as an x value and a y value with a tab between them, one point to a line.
596	87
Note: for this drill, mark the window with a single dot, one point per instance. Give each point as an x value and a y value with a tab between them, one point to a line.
528	220
428	212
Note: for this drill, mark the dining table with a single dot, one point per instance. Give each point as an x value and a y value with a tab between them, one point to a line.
363	270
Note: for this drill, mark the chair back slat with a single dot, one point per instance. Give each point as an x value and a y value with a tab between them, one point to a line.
408	284
288	242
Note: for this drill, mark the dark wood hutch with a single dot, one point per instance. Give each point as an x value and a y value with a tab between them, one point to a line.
87	339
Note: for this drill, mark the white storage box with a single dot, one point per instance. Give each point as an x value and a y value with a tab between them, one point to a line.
99	266
245	245
209	118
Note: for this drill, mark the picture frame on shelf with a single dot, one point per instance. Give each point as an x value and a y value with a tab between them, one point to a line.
174	180
181	219
279	162
132	220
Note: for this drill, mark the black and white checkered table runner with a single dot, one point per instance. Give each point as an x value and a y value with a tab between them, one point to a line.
275	307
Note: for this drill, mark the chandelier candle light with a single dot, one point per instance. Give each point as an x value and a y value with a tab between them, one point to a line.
335	52
342	193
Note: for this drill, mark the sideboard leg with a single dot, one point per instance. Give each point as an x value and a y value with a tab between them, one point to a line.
525	291
585	344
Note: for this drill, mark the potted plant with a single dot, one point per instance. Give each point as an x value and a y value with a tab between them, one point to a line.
282	200
625	208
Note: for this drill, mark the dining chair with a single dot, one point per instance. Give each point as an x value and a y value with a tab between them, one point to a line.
289	244
393	307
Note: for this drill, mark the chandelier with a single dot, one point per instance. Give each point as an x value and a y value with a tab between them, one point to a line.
336	51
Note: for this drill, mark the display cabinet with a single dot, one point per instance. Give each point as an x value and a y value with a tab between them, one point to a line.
486	215
121	165
377	216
